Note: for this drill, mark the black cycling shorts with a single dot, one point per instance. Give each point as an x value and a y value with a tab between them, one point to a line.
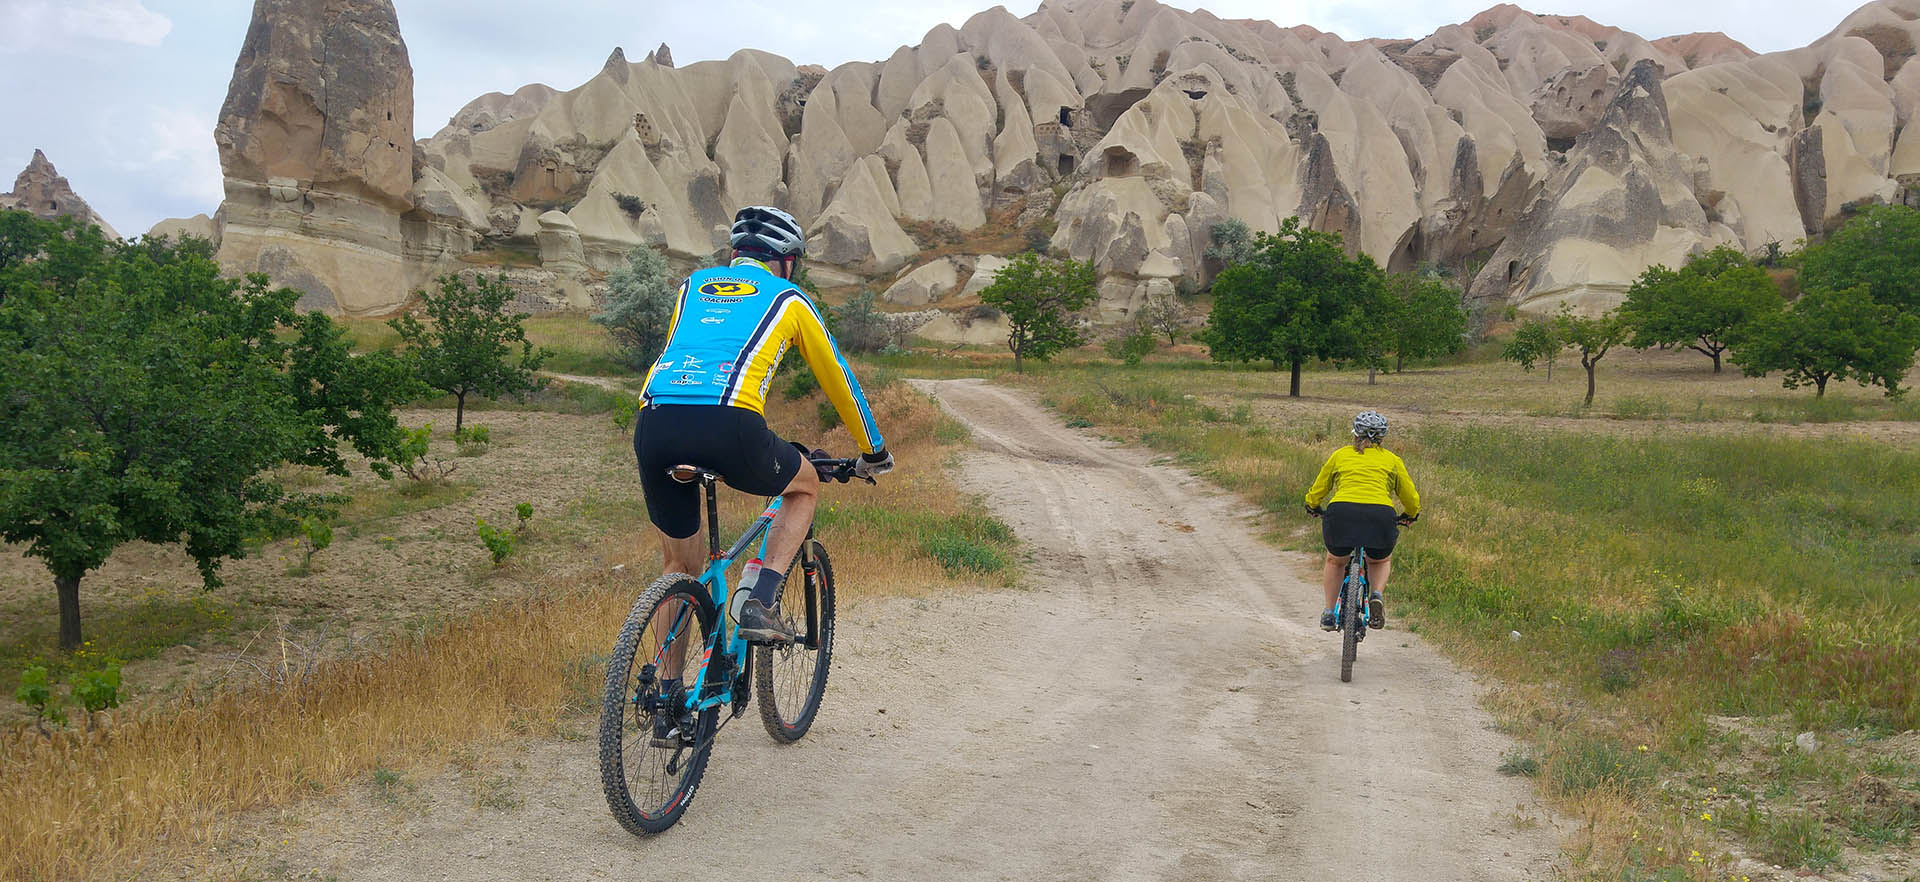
731	441
1373	527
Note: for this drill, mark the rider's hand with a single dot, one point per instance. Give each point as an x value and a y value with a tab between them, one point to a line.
869	465
1314	511
1406	520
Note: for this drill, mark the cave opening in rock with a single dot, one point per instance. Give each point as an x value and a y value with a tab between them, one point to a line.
1121	162
1066	164
1066	117
1513	269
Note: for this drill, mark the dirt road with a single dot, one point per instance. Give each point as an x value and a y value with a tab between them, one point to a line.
1159	706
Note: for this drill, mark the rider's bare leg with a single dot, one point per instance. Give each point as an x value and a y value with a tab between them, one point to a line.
796	516
1377	573
679	556
1330	578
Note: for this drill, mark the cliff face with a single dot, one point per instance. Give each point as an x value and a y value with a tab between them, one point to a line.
1559	155
316	146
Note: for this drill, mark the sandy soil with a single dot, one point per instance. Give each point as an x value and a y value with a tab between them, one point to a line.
1160	705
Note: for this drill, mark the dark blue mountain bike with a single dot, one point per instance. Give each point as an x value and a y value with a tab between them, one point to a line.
679	660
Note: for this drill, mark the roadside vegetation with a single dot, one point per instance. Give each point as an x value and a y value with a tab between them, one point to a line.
463	601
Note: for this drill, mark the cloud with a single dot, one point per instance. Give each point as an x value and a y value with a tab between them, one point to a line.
41	24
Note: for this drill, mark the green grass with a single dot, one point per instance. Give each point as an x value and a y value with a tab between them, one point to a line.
555	397
1657	578
971	541
127	631
397	497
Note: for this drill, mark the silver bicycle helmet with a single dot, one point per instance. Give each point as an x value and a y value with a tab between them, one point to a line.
767	230
1371	426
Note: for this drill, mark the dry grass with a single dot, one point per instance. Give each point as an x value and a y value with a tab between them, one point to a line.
162	787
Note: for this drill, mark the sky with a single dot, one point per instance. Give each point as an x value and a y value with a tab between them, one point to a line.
123	94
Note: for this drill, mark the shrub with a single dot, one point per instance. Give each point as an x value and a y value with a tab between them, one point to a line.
630	204
37	692
472	440
316	534
499	543
800	384
640	298
1133	347
412	457
624	411
860	327
524	511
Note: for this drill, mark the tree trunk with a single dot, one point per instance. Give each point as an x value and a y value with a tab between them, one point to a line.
1293	388
1398	360
1820	386
69	588
459	410
1371	370
1016	362
1716	360
1590	383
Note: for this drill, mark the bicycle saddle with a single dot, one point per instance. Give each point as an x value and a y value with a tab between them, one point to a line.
687	474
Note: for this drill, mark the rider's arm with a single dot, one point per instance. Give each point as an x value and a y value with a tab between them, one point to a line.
835	376
1317	494
1403	487
673	324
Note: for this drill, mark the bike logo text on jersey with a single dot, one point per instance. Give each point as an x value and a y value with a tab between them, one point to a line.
729	289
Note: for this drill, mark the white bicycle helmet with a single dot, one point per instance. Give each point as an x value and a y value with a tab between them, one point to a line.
767	230
1371	426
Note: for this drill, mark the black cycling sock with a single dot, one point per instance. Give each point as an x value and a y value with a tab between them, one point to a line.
768	586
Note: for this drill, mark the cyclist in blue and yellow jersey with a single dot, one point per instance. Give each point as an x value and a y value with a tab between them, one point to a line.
705	406
1360	478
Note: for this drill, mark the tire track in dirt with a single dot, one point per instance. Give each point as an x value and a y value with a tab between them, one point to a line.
1159	706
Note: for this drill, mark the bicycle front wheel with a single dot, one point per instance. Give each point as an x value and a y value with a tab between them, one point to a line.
789	680
1353	594
653	750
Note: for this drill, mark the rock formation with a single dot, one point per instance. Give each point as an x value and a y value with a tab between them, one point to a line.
40	190
1557	155
316	146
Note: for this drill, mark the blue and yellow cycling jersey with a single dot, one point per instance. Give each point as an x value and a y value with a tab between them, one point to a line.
730	326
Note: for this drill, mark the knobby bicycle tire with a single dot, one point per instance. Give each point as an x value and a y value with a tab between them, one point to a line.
1353	593
789	681
626	729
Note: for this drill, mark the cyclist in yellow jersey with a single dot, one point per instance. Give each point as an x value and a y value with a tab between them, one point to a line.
705	401
1362	480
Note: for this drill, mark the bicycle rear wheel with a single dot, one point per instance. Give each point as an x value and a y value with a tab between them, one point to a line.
649	782
790	680
1353	594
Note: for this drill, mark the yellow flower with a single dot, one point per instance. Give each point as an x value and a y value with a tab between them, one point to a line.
1706	816
1642	748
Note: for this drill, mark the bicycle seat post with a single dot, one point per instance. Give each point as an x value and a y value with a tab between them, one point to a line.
713	517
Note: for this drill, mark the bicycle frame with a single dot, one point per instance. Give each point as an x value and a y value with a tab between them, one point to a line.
727	636
1366	587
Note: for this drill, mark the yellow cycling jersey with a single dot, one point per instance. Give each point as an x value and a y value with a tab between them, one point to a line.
1364	476
730	327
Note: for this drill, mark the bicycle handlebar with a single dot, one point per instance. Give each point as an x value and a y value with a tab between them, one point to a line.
1400	519
834	470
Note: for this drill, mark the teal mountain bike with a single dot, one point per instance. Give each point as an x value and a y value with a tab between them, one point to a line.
680	660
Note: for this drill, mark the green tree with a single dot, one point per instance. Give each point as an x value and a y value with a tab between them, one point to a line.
1425	318
1039	298
1230	243
1878	248
639	309
145	397
1300	297
1829	335
1534	343
469	347
1592	336
858	325
1700	305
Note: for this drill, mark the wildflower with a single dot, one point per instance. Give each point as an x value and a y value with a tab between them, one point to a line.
1706	816
1642	748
